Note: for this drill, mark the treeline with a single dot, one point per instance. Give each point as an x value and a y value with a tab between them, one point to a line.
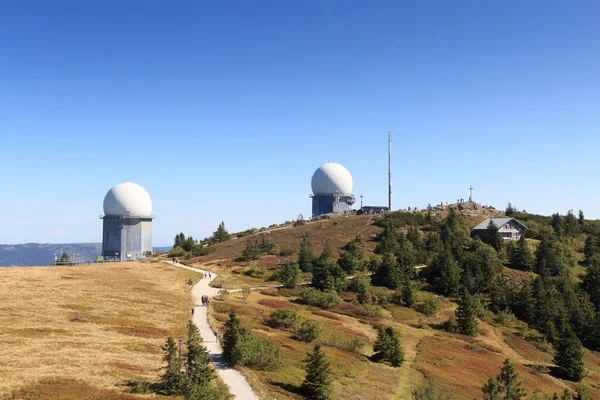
188	247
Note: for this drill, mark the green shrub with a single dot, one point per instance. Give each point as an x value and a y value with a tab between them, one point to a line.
258	354
287	252
140	388
348	345
252	250
308	331
254	272
323	299
176	252
201	250
451	325
283	318
431	306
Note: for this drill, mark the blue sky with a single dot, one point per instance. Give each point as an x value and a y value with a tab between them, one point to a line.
223	110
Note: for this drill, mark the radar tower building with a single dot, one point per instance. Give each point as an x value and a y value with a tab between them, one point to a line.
127	223
332	190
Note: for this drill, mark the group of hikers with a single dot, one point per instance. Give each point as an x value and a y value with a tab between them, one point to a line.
205	301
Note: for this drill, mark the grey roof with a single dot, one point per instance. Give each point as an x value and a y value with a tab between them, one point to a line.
498	221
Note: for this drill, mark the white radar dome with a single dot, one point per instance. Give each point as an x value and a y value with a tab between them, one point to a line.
331	178
127	197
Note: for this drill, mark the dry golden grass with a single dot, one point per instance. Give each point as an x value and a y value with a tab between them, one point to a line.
100	324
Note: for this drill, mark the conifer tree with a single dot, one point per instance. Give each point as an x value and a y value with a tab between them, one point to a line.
444	273
327	274
387	347
591	282
198	362
352	259
505	386
491	389
510	210
317	384
521	256
221	234
569	355
466	314
173	378
306	255
492	236
581	218
408	293
65	257
510	387
232	340
179	239
289	275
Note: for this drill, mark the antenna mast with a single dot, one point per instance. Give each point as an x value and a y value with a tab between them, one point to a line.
389	171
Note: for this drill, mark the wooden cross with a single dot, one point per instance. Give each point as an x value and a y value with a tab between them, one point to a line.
471	192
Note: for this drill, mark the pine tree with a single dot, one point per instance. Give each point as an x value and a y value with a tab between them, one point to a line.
449	279
317	384
395	355
510	210
179	239
581	218
65	257
569	355
491	389
466	315
327	274
510	387
232	340
387	347
173	378
493	237
198	362
591	282
289	275
408	293
521	256
352	259
306	255
221	234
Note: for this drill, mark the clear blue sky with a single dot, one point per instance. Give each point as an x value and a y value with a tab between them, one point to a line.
223	110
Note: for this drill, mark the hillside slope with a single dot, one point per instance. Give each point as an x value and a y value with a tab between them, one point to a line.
459	364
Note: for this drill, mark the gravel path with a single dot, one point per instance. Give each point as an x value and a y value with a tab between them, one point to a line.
238	386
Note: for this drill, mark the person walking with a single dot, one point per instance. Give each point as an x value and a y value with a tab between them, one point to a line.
217	335
209	274
192	312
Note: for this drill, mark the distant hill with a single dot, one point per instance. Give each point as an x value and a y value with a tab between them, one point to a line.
30	254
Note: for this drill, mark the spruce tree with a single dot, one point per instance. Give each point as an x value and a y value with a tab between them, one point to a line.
491	389
198	362
510	387
569	355
173	378
408	293
387	347
232	340
466	314
395	355
449	280
591	282
221	234
581	218
306	255
492	236
521	256
317	384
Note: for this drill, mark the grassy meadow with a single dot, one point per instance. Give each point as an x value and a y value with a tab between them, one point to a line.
65	331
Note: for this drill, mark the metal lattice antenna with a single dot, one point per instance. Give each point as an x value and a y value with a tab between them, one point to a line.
389	171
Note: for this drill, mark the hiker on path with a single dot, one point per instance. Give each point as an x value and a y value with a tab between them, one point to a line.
192	312
209	275
217	335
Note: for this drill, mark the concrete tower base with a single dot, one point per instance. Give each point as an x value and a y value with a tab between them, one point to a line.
125	237
325	204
